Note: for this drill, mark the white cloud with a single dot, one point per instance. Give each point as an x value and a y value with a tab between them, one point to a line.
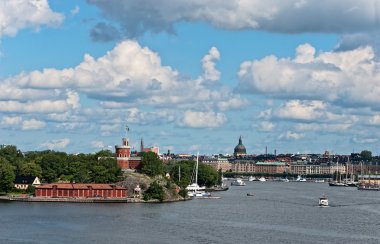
291	16
42	106
301	110
374	120
56	144
120	75
289	135
198	119
75	10
331	128
19	14
365	140
97	144
10	121
32	124
267	126
210	73
348	78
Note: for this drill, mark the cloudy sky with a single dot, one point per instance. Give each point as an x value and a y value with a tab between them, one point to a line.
298	76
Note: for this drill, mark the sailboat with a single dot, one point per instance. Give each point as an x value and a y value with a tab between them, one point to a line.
194	190
336	182
363	185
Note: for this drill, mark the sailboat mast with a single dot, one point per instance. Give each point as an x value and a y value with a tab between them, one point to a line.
196	170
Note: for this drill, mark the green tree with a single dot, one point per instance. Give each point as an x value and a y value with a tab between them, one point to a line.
181	172
366	155
30	169
151	164
155	191
10	153
7	176
207	175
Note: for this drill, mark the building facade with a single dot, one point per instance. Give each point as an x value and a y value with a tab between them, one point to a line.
66	190
218	163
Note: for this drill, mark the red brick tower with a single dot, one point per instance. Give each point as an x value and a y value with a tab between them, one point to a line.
123	154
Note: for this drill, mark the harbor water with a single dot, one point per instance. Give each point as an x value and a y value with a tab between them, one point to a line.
278	212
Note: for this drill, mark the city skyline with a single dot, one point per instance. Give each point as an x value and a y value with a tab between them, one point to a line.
294	76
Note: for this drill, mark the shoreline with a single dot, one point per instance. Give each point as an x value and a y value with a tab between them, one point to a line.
84	200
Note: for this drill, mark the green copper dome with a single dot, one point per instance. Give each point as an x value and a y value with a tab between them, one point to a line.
240	149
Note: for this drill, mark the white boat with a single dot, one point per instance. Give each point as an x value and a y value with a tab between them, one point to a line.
319	181
252	178
262	179
285	180
300	179
194	190
323	201
238	182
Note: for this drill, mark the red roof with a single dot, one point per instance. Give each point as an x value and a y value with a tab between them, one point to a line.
80	186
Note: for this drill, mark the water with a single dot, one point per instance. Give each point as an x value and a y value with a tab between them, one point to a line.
278	213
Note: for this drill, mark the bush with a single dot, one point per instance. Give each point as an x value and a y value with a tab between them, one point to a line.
155	191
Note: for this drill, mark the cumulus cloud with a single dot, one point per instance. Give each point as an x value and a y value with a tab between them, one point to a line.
374	120
301	110
336	77
97	144
75	10
19	14
56	144
367	140
289	135
210	73
42	106
32	124
267	126
10	121
125	78
197	119
291	16
324	127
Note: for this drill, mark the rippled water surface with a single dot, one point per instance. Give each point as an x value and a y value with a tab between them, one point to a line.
278	213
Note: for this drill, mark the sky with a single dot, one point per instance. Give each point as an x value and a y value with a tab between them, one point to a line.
295	76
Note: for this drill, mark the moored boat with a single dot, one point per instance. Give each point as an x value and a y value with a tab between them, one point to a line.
238	182
194	190
252	178
262	179
300	179
368	187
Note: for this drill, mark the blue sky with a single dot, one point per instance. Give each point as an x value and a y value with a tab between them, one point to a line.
299	76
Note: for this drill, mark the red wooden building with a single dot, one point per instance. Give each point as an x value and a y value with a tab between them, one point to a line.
80	190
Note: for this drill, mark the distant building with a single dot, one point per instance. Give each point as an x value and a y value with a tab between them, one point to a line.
148	149
23	182
218	163
270	167
240	149
80	190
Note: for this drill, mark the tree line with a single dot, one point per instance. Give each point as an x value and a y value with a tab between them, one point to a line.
51	166
101	167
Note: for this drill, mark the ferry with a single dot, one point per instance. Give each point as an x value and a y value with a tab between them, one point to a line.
323	201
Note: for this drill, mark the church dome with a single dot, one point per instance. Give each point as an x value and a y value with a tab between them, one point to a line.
240	149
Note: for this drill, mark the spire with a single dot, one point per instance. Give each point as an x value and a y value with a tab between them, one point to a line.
142	145
240	141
